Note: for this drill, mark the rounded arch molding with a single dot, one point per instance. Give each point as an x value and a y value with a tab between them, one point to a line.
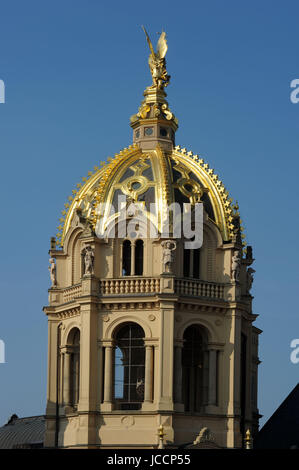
67	330
126	319
72	238
212	232
212	335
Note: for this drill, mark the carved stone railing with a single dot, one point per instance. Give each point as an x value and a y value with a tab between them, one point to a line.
197	288
70	293
129	285
148	285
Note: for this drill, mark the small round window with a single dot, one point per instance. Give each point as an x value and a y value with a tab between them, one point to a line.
148	131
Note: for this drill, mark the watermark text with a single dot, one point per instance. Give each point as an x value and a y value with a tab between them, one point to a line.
2	92
295	353
2	352
294	96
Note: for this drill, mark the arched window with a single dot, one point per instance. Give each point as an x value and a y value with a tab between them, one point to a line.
195	369
139	258
126	263
191	263
75	368
129	367
186	263
72	368
243	383
196	263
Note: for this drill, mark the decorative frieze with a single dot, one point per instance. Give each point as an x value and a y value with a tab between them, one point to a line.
72	312
201	308
129	306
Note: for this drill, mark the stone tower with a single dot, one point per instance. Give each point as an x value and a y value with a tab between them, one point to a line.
145	331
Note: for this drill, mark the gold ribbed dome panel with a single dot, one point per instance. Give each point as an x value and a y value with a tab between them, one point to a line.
151	176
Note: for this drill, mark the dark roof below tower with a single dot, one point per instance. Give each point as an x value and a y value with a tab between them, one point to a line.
23	433
281	431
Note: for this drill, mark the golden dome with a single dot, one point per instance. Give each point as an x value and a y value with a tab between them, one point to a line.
151	176
152	170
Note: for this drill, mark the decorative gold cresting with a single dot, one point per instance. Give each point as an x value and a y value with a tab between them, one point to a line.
225	213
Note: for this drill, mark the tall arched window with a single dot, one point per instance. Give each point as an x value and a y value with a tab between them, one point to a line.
196	263
126	263
75	368
139	258
243	383
72	368
195	368
191	264
129	367
186	263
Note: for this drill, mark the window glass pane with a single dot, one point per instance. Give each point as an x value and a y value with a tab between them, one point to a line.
129	367
126	267
139	258
186	263
196	263
193	362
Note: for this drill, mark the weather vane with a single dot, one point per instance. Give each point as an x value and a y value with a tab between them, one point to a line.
157	61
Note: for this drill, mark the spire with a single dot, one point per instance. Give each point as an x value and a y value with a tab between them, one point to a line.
155	123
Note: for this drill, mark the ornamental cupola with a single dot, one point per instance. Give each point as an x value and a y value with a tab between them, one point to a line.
151	341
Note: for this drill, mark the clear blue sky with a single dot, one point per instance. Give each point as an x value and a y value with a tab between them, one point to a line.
74	72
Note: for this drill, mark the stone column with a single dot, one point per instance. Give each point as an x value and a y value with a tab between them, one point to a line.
148	382
76	376
133	243
164	369
121	259
178	372
108	374
212	400
191	260
100	368
66	378
60	365
191	391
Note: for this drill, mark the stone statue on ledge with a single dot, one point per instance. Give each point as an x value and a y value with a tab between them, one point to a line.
52	269
250	278
168	255
88	254
236	261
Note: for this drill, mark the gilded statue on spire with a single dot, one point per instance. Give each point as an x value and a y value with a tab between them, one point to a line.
157	61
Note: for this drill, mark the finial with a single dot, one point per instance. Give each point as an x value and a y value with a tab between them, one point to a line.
53	243
161	435
157	61
248	439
